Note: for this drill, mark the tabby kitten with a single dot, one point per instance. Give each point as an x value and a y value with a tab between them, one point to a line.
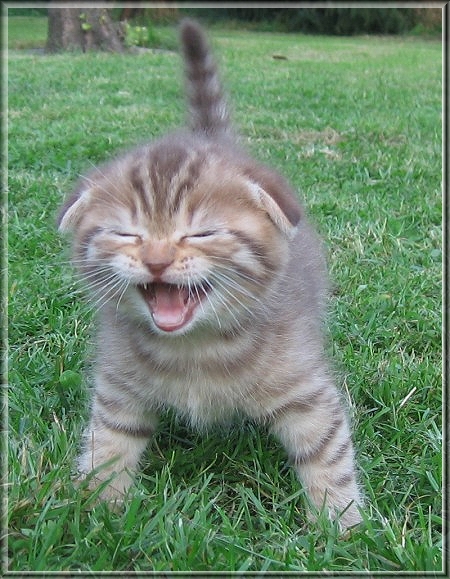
210	288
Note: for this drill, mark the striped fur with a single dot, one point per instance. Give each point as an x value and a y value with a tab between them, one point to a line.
208	110
209	286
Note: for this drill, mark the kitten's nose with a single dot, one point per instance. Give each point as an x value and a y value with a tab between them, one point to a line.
157	257
157	268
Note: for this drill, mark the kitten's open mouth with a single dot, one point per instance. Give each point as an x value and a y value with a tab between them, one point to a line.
171	306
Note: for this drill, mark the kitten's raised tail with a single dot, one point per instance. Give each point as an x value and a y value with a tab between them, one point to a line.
208	111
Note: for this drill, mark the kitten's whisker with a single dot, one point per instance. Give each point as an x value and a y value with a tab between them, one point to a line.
106	177
97	185
93	275
217	280
66	262
74	292
96	298
89	269
212	306
93	262
206	292
126	286
200	301
233	284
223	301
93	268
111	201
115	198
98	282
98	292
111	293
103	286
237	272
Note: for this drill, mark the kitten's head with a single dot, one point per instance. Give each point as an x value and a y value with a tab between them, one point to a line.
182	233
186	232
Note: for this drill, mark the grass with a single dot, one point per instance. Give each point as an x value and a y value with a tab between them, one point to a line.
27	32
355	124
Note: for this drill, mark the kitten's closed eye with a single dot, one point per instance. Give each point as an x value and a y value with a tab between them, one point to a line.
200	234
125	235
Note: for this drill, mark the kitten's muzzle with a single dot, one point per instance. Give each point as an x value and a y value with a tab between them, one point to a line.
157	257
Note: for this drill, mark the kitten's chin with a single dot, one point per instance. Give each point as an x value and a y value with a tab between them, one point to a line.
172	307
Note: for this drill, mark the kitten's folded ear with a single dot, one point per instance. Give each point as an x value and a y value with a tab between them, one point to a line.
273	194
73	210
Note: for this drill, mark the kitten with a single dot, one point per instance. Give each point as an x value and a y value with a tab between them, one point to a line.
210	287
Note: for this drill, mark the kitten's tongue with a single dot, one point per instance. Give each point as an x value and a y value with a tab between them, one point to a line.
170	306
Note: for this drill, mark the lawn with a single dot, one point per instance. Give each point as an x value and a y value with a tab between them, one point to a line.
355	124
26	32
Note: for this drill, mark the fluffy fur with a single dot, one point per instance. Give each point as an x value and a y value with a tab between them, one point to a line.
210	287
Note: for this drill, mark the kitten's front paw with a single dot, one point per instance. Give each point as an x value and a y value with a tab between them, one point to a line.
350	517
346	518
114	485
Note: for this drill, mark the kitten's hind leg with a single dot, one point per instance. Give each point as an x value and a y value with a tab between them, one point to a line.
114	441
315	432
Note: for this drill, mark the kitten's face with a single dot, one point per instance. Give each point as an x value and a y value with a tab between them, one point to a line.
176	238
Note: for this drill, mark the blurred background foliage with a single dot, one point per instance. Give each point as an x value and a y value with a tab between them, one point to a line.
327	21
